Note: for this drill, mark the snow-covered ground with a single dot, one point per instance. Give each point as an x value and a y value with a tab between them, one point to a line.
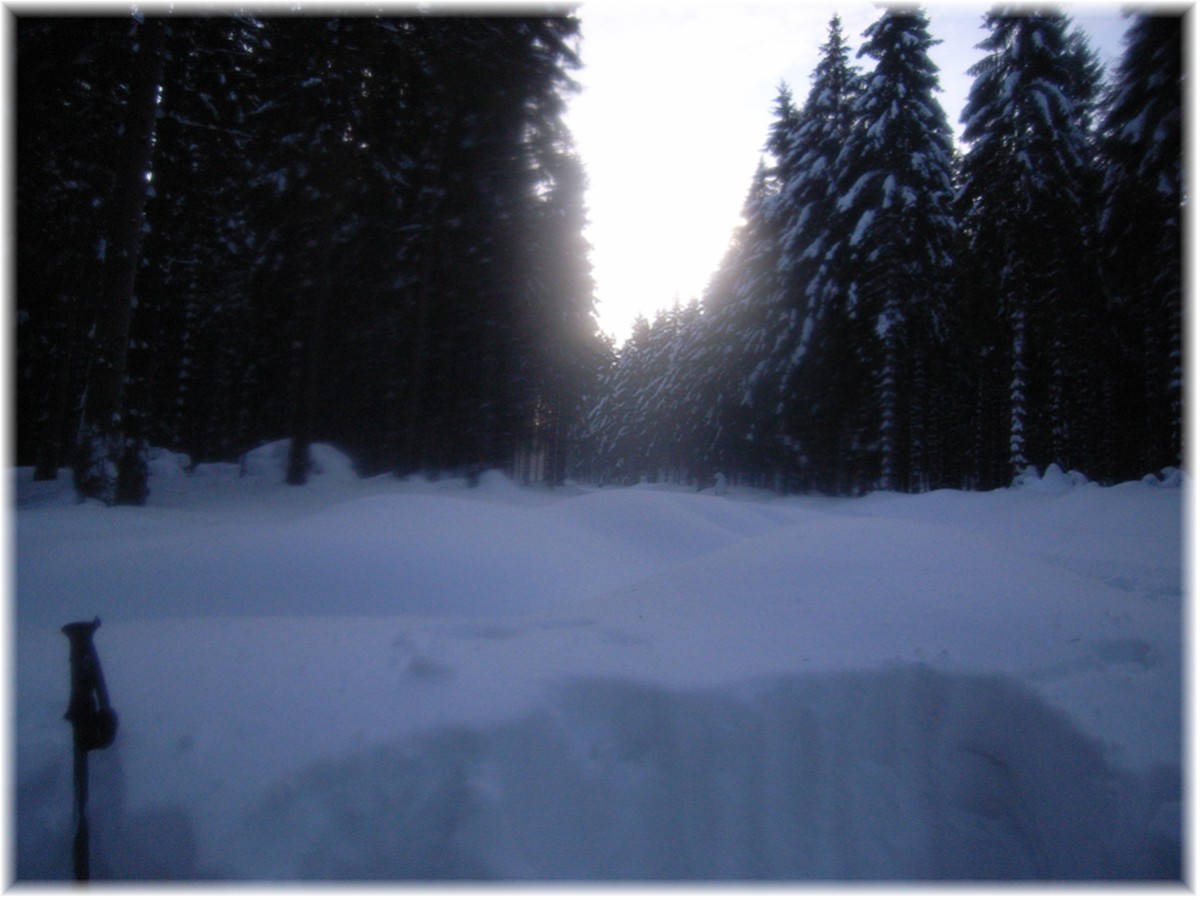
372	679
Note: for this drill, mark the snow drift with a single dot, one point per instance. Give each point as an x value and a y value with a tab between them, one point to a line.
368	679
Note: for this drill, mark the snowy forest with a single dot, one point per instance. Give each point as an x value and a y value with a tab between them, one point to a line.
361	230
746	636
896	312
369	231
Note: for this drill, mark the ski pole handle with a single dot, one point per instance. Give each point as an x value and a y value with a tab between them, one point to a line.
89	711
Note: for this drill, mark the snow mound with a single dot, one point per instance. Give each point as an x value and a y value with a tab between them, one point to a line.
495	480
1170	477
167	466
56	492
1054	481
269	462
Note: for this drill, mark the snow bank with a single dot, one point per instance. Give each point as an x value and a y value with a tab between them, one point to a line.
905	774
417	680
174	480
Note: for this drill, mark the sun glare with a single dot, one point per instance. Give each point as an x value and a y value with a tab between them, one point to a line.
655	253
670	124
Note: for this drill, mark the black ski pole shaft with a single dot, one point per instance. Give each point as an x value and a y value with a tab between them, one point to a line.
80	850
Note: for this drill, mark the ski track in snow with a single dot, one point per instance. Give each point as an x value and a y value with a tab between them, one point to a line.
394	681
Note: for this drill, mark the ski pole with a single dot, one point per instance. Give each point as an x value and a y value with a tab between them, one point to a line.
93	724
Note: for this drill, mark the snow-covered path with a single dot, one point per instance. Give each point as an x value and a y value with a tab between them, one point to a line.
381	680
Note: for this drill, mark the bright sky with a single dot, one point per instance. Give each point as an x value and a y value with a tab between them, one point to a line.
676	102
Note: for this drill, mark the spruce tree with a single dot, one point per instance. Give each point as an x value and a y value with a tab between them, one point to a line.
110	464
365	230
806	197
617	435
1141	226
1026	204
802	391
742	320
70	79
563	345
895	192
195	311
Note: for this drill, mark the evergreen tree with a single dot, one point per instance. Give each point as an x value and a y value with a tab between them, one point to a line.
807	197
804	393
314	169
1141	226
1026	204
365	230
743	314
110	464
781	136
192	353
492	154
70	78
662	413
895	191
616	435
565	352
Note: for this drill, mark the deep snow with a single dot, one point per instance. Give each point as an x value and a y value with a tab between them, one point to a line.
372	679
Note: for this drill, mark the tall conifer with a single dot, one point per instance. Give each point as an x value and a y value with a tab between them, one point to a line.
111	463
895	192
1027	207
1141	225
805	392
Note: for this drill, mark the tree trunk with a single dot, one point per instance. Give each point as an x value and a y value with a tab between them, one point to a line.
414	440
413	443
312	330
51	445
1016	435
106	469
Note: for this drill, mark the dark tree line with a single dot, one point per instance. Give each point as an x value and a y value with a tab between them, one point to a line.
363	230
893	313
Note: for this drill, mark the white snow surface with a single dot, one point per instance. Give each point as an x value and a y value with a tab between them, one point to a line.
418	680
